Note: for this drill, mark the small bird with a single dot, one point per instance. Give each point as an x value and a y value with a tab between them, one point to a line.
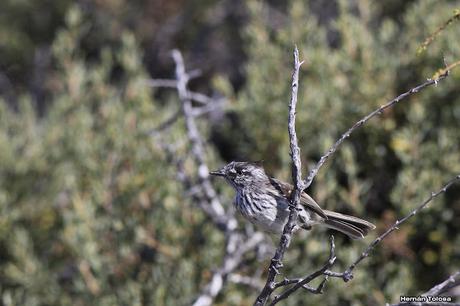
264	201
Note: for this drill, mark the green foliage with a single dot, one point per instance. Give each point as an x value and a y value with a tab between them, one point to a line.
92	212
388	166
85	209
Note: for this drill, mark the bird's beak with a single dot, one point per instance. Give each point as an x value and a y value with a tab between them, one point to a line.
219	172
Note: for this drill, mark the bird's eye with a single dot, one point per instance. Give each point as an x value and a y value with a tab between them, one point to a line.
240	170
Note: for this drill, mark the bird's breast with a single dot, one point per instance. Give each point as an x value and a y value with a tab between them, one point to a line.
263	210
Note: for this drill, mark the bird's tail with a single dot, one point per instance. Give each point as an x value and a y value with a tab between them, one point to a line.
353	227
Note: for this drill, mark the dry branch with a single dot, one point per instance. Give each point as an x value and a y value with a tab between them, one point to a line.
276	261
238	244
313	172
200	189
303	282
299	186
451	282
347	275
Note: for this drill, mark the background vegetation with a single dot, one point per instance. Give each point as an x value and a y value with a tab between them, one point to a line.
92	212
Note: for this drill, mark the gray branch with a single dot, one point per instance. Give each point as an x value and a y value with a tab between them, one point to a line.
166	83
313	172
348	274
232	259
451	282
299	186
303	282
209	103
276	262
237	244
216	209
245	280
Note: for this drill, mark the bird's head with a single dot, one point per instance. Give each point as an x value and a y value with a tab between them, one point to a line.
242	174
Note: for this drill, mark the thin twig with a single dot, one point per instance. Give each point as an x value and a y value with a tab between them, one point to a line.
299	186
309	278
201	98
166	83
451	282
276	262
430	38
166	124
196	112
446	69
290	281
193	134
237	244
348	275
245	280
313	172
232	259
199	111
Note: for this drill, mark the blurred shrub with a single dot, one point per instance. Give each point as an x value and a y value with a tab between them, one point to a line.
385	168
91	212
91	209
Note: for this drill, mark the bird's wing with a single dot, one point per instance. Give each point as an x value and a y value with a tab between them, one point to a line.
305	199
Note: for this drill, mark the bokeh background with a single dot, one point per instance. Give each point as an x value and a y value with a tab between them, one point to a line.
92	212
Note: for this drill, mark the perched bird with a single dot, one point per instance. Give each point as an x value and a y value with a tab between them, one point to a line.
264	201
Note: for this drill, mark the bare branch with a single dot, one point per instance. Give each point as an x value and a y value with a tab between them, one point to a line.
348	275
194	135
201	98
245	280
166	124
234	254
207	108
210	103
161	83
446	69
237	244
451	282
165	83
317	290
299	186
276	261
430	38
310	277
196	112
313	172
